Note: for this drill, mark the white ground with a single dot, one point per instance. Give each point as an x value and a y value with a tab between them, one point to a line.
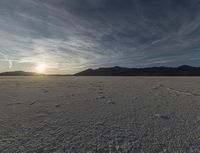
99	114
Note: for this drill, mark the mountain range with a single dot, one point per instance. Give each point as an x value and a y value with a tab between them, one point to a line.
183	70
20	73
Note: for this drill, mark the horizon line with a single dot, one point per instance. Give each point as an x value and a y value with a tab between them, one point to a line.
57	74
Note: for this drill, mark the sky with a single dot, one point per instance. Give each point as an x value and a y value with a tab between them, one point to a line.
68	36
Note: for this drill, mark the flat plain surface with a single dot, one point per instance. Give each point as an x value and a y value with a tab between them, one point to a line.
99	114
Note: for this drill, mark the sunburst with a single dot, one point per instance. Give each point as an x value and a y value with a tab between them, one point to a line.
41	68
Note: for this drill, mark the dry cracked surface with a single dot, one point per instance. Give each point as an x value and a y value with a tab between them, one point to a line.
99	114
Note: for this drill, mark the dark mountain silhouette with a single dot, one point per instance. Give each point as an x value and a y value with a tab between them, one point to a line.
183	70
19	73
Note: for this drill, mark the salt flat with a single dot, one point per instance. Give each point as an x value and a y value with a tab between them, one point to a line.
99	114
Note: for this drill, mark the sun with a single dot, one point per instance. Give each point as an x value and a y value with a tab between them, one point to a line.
40	68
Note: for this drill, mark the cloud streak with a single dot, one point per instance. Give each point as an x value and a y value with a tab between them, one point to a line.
6	59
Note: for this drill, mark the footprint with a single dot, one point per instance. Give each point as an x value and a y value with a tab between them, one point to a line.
57	105
32	103
111	102
162	116
11	104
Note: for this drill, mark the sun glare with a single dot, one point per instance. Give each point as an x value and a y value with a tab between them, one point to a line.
40	68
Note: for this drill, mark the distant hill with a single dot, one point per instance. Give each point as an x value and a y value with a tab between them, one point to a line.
183	70
19	73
